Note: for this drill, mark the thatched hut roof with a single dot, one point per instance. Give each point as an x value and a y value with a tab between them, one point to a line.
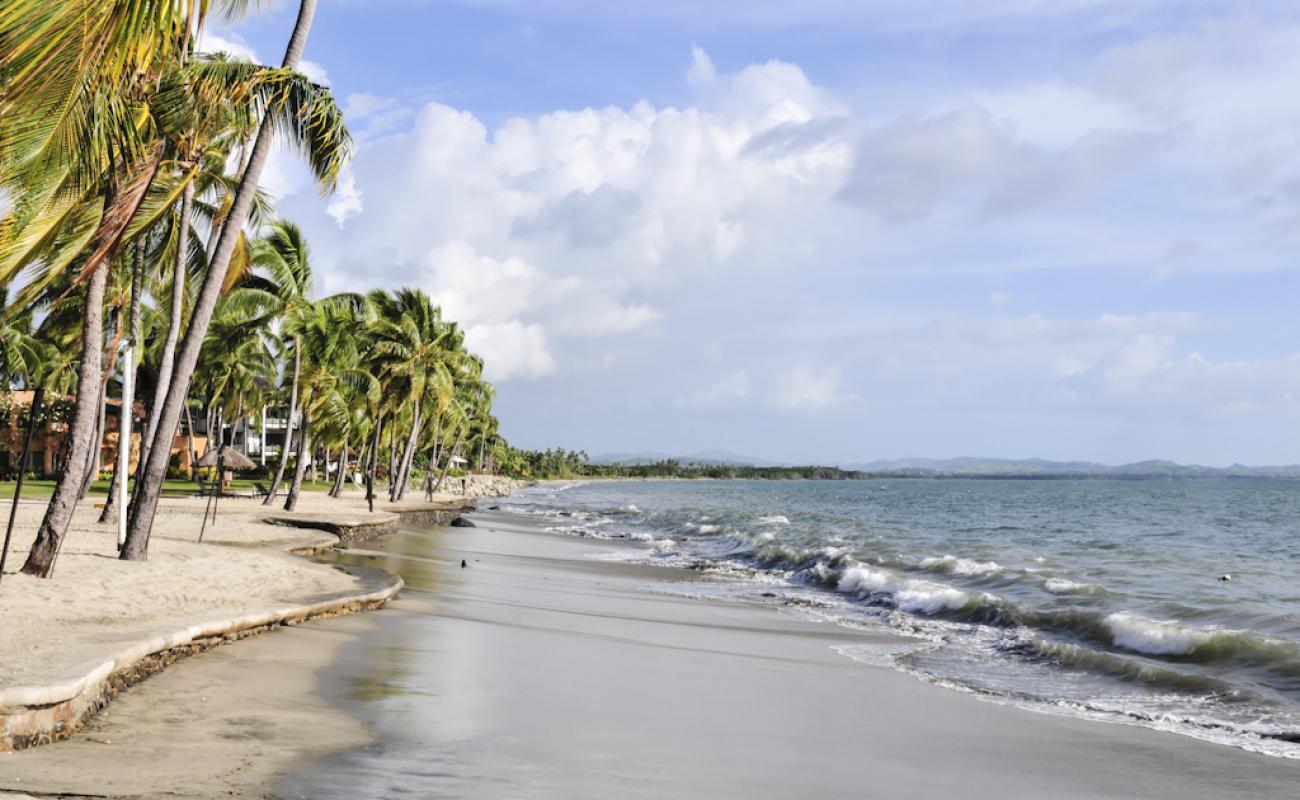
230	458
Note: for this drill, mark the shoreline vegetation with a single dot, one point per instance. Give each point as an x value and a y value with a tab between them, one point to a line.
561	464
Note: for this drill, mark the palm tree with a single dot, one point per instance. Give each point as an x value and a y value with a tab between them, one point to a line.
318	127
87	106
416	353
284	256
328	336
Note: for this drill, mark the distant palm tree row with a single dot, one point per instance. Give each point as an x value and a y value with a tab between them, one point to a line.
130	212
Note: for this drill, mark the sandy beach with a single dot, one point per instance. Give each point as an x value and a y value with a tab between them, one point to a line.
545	670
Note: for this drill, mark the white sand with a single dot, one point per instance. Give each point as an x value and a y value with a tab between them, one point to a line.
94	604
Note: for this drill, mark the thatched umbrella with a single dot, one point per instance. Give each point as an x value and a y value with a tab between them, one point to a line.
228	457
223	458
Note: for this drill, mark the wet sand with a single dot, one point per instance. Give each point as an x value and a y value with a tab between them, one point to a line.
223	723
539	672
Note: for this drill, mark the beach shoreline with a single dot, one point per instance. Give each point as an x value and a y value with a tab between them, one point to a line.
118	623
552	666
552	663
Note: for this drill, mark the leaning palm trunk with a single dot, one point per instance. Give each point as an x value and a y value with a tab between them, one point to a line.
337	489
304	450
96	442
408	455
40	561
374	460
151	478
168	359
288	425
124	421
446	467
392	458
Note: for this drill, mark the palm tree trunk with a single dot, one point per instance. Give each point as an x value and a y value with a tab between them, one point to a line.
151	478
304	454
168	358
33	411
342	470
408	455
124	421
392	458
447	466
40	561
96	443
189	435
374	460
288	425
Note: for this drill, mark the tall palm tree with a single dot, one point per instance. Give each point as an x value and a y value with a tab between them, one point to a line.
88	102
328	336
415	349
283	255
319	129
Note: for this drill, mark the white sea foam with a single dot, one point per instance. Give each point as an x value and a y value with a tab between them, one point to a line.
1063	586
923	597
775	519
709	529
960	566
1142	635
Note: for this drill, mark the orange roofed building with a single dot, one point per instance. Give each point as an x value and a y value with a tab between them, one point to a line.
50	439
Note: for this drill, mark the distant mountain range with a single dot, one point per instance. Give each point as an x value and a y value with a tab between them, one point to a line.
973	467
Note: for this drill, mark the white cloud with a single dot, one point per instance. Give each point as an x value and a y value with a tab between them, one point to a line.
346	200
807	389
702	73
722	392
228	42
573	222
511	350
314	71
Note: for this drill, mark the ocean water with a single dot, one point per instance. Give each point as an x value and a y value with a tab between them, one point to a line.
1099	599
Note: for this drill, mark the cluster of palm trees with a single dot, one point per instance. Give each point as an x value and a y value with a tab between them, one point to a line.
130	214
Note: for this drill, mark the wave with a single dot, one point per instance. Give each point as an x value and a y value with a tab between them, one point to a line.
1203	645
1131	670
1064	586
952	565
906	594
775	519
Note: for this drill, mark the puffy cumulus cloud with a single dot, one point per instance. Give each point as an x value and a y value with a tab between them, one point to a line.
573	223
807	389
511	350
724	391
346	200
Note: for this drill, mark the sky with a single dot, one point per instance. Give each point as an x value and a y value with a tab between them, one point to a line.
832	231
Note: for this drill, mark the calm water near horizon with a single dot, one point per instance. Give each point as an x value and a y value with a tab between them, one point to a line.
1093	598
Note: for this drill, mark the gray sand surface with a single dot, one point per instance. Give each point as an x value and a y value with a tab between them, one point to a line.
540	672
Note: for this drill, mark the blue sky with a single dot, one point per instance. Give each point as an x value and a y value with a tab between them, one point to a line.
833	231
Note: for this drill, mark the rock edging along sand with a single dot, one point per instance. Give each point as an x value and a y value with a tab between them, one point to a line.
34	715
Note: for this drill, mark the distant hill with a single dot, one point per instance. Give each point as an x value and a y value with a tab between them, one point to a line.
706	458
971	466
1038	467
